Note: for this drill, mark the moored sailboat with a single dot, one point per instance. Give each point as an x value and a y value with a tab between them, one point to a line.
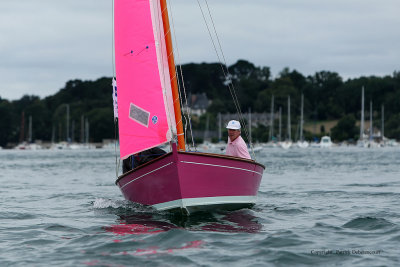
361	141
288	141
301	142
149	115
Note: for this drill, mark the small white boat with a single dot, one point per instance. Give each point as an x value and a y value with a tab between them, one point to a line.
28	146
326	141
303	144
286	144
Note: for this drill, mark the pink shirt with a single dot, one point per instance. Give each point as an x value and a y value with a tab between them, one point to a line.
237	148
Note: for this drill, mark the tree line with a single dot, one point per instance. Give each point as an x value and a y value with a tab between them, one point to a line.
326	97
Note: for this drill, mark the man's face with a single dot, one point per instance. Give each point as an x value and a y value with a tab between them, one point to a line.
233	134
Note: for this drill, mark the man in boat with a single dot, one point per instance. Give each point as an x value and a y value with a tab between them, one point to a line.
138	159
236	146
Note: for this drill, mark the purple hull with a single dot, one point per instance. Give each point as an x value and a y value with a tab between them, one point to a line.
193	181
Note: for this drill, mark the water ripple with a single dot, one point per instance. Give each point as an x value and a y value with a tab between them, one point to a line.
62	208
369	224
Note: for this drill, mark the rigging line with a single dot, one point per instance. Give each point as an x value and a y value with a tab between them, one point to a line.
173	54
170	79
222	52
187	109
188	114
226	74
229	75
223	56
236	103
216	51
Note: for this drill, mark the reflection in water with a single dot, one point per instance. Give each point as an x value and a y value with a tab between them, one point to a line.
228	221
153	223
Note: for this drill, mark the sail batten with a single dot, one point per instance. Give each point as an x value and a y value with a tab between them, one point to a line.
141	70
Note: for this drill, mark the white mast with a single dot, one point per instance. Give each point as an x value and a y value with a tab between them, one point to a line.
30	130
219	127
67	137
73	131
371	128
362	116
205	138
289	130
87	131
301	118
53	135
271	116
82	129
250	126
383	122
280	124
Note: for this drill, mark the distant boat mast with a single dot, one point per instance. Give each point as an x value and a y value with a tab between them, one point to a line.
371	128
271	116
301	118
22	131
383	122
362	115
289	130
280	124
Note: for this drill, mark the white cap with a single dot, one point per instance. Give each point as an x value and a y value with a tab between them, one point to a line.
234	125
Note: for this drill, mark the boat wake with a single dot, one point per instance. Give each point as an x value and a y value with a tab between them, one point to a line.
120	205
102	203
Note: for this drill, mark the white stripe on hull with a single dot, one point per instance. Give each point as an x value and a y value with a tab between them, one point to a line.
146	174
222	166
205	201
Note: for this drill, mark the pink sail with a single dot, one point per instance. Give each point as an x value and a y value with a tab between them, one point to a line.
145	116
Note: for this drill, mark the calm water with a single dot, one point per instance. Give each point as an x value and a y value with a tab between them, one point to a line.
325	207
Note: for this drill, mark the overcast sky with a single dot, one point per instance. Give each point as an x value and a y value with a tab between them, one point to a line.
45	43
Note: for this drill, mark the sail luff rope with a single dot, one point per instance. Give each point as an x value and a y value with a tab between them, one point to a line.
117	159
226	73
162	37
112	39
188	114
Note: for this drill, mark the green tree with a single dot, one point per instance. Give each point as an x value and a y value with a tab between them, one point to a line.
345	129
392	127
7	128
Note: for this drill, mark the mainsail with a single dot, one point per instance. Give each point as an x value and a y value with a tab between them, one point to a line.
145	107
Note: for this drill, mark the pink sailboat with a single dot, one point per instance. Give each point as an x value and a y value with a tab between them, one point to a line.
149	115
